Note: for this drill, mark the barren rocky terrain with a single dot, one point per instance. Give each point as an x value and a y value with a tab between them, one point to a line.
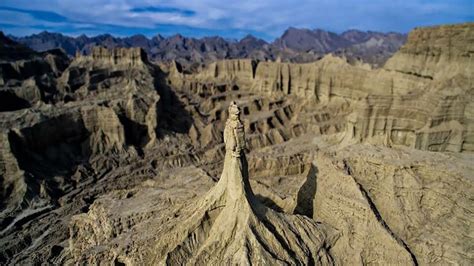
109	158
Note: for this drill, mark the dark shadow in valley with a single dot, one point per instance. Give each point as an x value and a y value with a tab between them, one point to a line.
306	193
49	152
10	102
135	134
268	202
172	114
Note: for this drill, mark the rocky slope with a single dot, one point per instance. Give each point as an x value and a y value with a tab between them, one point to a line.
127	162
27	77
102	111
295	45
229	225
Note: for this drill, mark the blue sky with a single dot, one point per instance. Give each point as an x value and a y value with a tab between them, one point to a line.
266	19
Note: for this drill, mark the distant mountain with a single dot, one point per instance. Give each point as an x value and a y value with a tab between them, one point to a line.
302	40
371	47
11	50
295	45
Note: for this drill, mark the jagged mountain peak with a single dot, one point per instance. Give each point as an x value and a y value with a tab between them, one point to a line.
295	45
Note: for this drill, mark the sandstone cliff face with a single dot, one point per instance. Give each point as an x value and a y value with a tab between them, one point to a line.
107	133
132	56
420	110
436	52
124	80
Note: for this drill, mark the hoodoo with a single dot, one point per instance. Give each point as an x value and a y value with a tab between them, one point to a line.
230	226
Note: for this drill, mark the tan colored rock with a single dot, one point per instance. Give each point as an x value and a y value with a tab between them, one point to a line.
341	202
346	164
229	226
13	181
404	106
130	56
422	198
107	133
437	52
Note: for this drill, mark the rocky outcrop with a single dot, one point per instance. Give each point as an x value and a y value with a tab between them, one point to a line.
102	111
436	52
107	133
131	56
123	79
338	200
421	203
12	178
229	224
27	77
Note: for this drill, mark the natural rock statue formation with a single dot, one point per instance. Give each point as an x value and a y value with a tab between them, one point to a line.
230	226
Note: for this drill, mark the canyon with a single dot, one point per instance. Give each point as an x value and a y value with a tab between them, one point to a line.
112	158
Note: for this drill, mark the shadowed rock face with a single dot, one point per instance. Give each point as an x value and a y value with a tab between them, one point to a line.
27	77
119	160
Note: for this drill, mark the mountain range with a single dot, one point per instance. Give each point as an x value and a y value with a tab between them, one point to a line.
295	45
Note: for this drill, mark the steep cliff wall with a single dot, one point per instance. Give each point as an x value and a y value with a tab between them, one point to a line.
421	98
436	52
132	56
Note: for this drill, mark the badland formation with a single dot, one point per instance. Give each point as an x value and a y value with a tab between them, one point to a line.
112	157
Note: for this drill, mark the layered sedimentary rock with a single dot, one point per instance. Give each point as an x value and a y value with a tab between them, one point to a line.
416	109
125	80
27	77
130	56
229	225
124	159
436	52
101	111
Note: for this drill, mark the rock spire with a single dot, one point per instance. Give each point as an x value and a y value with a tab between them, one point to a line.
230	226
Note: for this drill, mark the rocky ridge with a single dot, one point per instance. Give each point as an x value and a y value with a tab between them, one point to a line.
295	45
